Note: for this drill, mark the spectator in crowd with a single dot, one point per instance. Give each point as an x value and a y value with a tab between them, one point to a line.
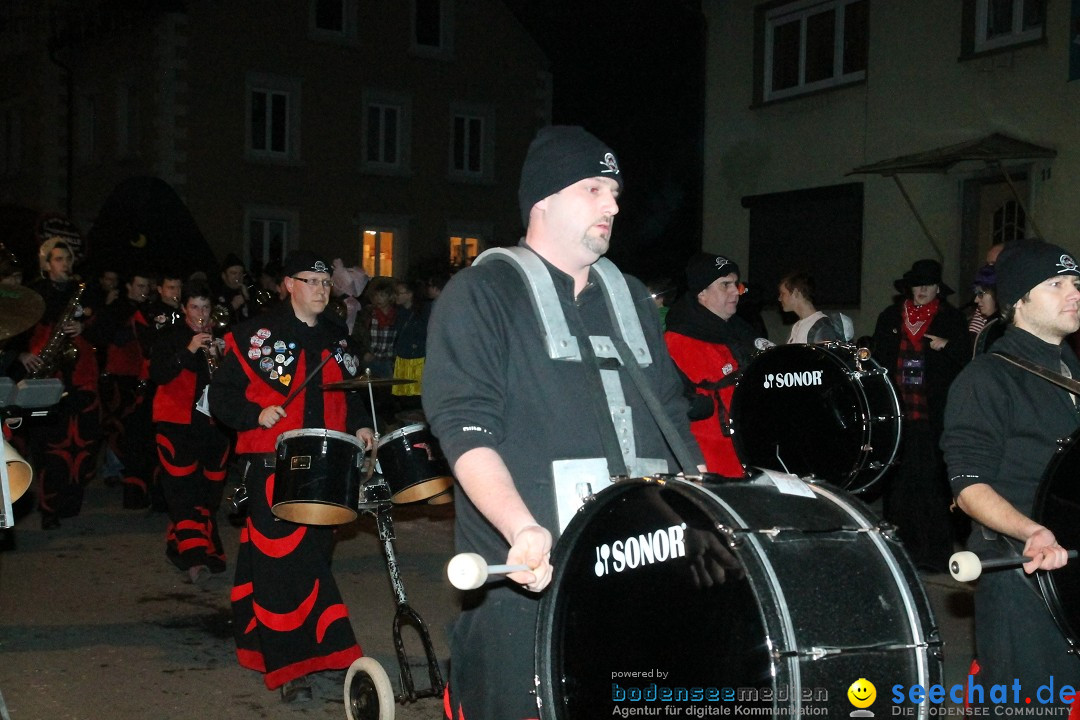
923	342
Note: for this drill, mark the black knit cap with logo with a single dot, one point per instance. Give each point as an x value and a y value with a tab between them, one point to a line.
559	156
704	269
305	260
1023	264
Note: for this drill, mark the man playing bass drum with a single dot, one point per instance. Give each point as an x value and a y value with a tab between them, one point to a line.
288	616
1002	426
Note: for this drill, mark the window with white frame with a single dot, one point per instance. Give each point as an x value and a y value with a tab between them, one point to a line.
269	234
383	135
385	131
1003	23
334	20
810	45
1009	223
273	114
432	25
471	143
377	251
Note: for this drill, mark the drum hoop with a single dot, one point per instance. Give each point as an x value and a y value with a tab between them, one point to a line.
899	579
401	432
1048	587
319	433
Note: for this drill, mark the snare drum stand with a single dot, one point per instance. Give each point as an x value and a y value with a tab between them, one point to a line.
405	613
367	690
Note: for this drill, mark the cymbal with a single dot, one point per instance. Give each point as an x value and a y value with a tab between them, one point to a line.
364	381
20	308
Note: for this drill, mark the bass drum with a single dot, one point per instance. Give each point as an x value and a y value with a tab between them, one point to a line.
827	410
768	597
1056	505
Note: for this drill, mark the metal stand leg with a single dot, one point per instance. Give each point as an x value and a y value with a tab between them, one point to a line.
406	614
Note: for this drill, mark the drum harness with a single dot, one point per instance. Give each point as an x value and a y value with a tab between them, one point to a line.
604	354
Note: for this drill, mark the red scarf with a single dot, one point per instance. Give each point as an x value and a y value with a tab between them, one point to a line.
917	319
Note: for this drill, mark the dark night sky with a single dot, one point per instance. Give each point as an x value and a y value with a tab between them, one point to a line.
632	72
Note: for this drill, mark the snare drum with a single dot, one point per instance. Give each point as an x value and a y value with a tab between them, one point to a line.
1055	507
813	596
413	464
317	479
818	410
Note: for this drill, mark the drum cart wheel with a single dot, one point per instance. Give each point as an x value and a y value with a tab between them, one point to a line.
368	694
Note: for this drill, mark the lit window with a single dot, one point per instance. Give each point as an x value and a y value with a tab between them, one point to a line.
463	250
377	252
811	45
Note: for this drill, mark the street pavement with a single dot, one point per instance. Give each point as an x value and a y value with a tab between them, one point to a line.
95	623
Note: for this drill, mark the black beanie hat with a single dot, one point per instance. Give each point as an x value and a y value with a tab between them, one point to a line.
704	269
1023	264
559	156
302	260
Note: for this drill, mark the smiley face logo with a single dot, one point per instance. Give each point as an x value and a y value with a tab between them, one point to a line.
862	693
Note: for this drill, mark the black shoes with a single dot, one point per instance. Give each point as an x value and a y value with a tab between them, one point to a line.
296	691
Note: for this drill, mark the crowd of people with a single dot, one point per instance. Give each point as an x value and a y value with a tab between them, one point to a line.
505	366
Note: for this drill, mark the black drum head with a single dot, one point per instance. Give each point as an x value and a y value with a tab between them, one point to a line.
646	599
1057	505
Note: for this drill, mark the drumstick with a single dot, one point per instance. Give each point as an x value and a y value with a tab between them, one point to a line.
966	566
468	571
300	387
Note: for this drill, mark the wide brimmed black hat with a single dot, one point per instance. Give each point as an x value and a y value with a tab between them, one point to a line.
923	272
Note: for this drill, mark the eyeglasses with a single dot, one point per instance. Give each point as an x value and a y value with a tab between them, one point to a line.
980	293
726	285
314	282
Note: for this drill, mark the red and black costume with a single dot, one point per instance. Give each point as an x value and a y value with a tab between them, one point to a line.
192	449
709	351
288	615
66	444
123	330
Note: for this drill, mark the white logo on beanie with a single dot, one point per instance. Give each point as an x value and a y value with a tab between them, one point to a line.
320	266
1067	264
609	163
721	261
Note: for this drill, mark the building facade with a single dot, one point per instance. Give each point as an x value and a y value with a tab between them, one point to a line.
387	132
807	98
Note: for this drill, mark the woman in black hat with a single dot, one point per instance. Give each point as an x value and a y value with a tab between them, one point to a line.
923	342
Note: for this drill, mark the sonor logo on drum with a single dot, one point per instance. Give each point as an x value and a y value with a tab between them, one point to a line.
806	378
638	550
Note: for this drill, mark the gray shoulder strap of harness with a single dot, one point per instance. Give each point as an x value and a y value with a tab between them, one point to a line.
561	345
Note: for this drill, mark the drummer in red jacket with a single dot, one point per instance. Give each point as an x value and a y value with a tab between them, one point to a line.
709	343
288	616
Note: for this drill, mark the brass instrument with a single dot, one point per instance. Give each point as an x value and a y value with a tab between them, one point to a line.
218	323
59	350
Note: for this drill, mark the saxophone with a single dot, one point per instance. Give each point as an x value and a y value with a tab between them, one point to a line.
59	350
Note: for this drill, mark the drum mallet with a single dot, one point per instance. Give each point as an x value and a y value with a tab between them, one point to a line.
468	571
966	566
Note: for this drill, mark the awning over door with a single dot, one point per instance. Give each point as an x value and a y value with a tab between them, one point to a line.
993	151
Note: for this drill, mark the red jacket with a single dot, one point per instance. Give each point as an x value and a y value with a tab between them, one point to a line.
709	362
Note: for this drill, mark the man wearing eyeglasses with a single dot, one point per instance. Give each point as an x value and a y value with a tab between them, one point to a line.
709	343
288	616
